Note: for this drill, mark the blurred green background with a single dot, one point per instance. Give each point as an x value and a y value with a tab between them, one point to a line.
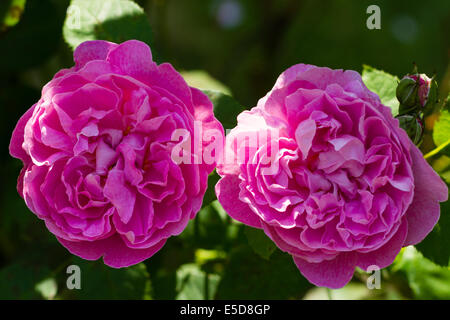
245	45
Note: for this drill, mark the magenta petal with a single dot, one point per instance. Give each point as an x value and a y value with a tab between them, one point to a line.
385	255
211	128
343	194
304	135
92	50
227	191
424	211
105	157
291	74
134	58
113	249
333	274
15	146
204	110
169	79
120	195
93	146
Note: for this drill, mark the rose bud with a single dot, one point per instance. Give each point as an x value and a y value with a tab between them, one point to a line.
407	93
413	127
416	92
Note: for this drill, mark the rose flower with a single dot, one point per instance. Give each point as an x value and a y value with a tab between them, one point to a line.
325	170
97	153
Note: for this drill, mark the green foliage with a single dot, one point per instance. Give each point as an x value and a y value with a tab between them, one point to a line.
427	280
384	85
248	276
431	247
202	80
19	280
441	132
19	227
164	284
113	20
260	242
210	194
226	109
34	39
99	281
211	228
195	284
47	288
10	13
214	257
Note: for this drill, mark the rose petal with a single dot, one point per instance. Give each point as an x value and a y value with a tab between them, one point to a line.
385	255
92	50
15	145
227	191
134	58
333	274
424	211
114	251
120	195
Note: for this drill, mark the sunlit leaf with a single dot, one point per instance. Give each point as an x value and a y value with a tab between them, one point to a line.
383	84
10	13
202	80
441	132
112	20
47	288
195	284
260	242
426	279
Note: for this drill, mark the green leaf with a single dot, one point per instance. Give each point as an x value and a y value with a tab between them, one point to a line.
210	229
384	85
441	133
435	245
34	274
112	20
10	13
210	194
99	281
163	284
19	280
19	227
202	80
426	279
260	242
34	39
226	109
204	256
248	276
195	284
47	288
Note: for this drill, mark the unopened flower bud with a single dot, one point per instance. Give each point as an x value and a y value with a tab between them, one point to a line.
413	127
416	92
406	92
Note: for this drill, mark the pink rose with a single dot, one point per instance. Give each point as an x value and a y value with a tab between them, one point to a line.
330	176
97	151
416	92
424	86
